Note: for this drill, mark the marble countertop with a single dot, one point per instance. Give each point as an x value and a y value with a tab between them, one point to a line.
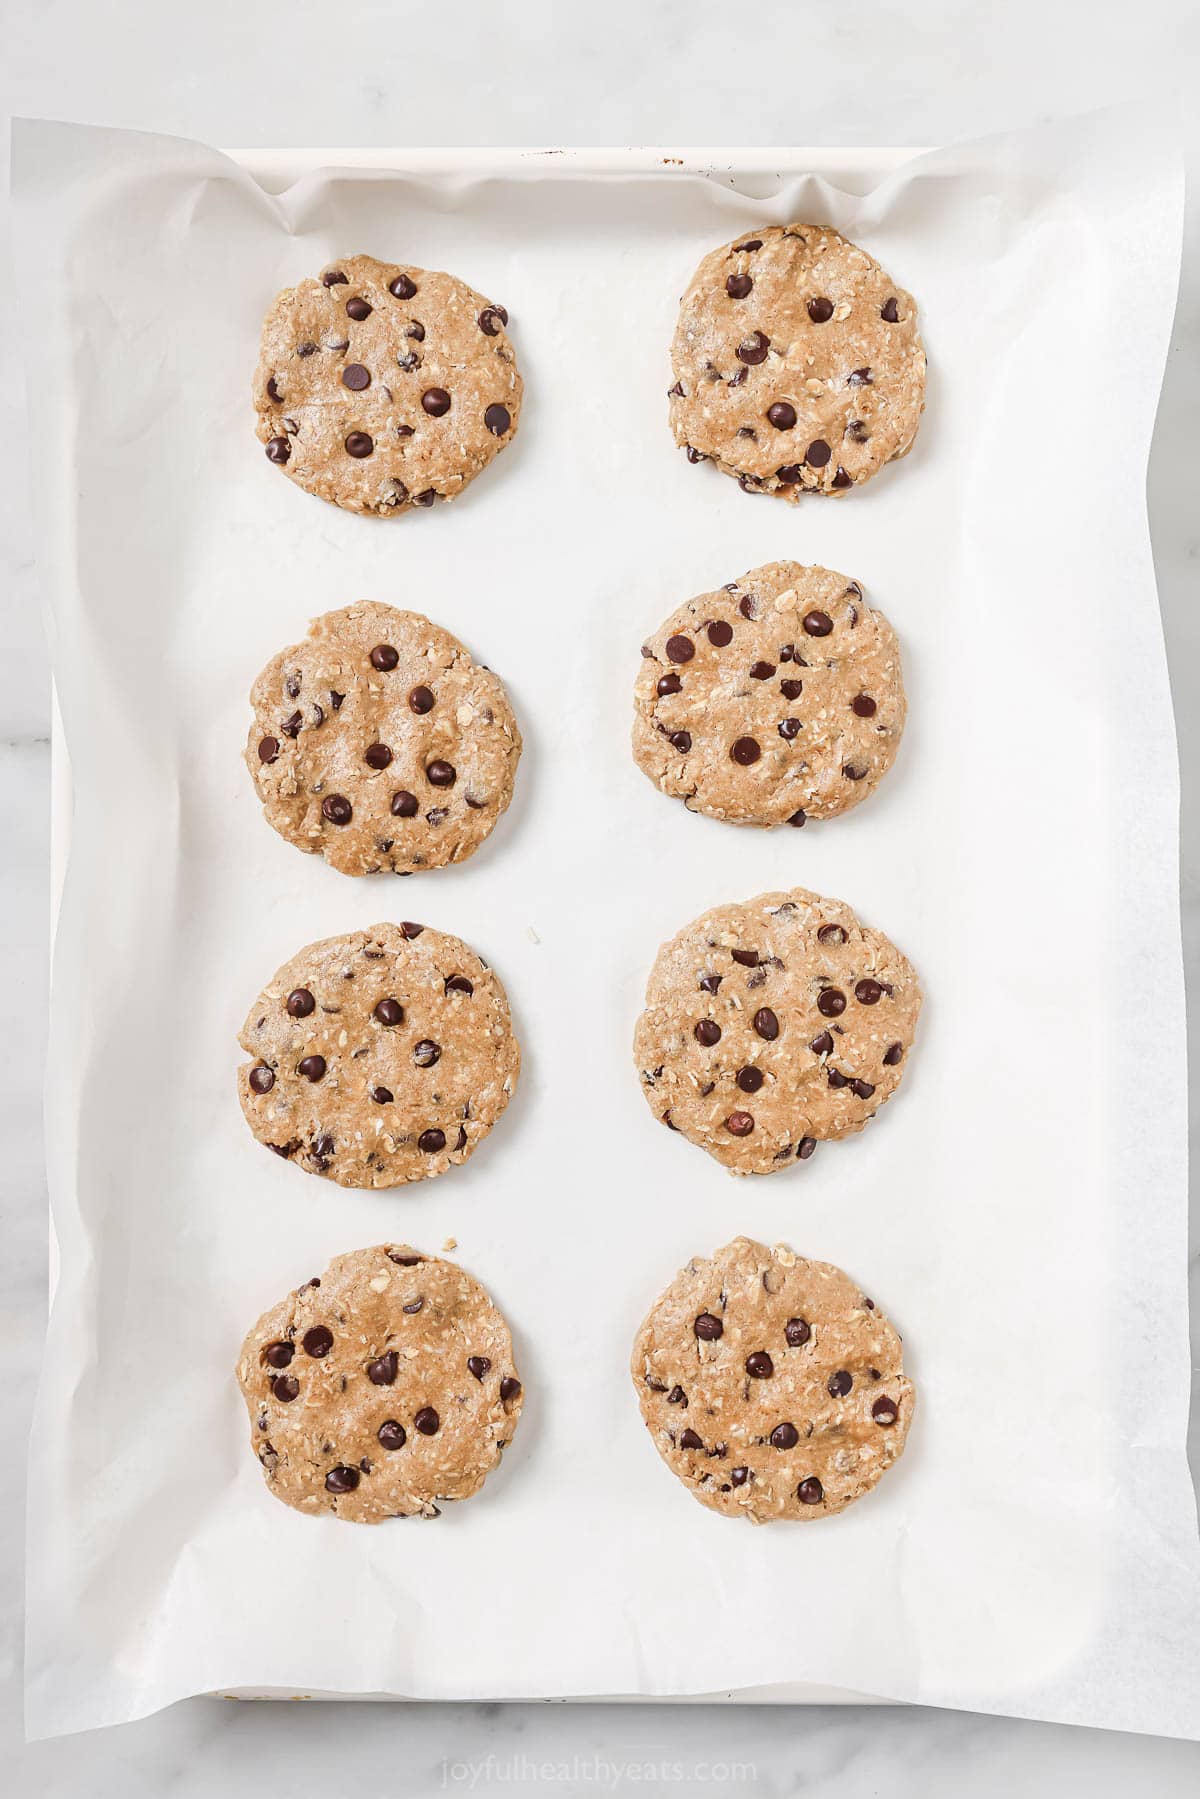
539	72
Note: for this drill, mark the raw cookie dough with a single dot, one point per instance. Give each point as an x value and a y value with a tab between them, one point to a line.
776	699
380	1057
773	1388
798	365
379	744
381	386
380	1388
772	1025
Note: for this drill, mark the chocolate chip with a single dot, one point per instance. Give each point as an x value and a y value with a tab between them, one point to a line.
836	1078
694	456
677	1396
300	1002
893	1054
268	749
384	657
404	804
885	1411
739	1124
440	774
411	930
888	312
799	818
868	992
306	349
820	310
790	728
384	1369
458	983
425	499
261	1078
857	431
273	392
759	1365
788	475
680	649
279	1355
831	1002
839	1384
746	958
739	1476
831	933
318	1341
426	1053
754	349
278	449
782	415
720	633
356	377
710	982
491	319
766	1024
359	444
402	288
761	671
863	1089
748	606
852	773
817	453
860	378
431	1143
383	1096
791	690
478	1365
337	809
668	683
738	286
689	1440
377	755
291	726
818	624
312	1068
392	1435
797	1331
708	1327
708	1032
863	705
436	401
749	1079
841	479
358	308
751	243
805	1148
333	278
822	1045
342	1480
745	752
510	1386
810	1491
784	1436
285	1387
497	419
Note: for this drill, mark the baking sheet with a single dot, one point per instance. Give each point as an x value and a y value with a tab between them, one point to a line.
1019	1210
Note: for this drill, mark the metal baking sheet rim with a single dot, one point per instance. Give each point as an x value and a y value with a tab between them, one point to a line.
280	167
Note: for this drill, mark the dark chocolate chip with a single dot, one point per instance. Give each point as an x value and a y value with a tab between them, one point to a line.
852	773
261	1078
797	1331
291	726
818	624
707	1032
791	690
893	1054
497	419
402	288
431	1143
720	633
863	705
377	755
766	1024
784	1436
839	1384
458	983
831	1002
739	1124
342	1480
836	1078
300	1002
822	1045
312	1068
384	657
337	808
841	478
404	804
668	683
788	475
392	1435
510	1386
885	1411
279	1355
805	1148
491	319
782	415
333	278
868	992
745	752
278	449
383	1096
710	982
751	243
478	1365
738	286
318	1341
358	308
759	1365
268	749
285	1387
790	728
810	1491
888	312
746	958
749	1079
440	774
761	671
356	377
739	1476
689	1440
384	1369
860	378
799	818
754	349
820	310
436	401
427	1421
708	1327
358	444
831	933
817	453
863	1089
680	649
426	1053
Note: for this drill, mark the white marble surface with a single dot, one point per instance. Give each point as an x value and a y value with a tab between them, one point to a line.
545	72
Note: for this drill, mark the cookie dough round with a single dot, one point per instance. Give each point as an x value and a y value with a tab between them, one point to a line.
378	743
381	386
772	1386
772	1025
777	699
380	1057
381	1388
798	365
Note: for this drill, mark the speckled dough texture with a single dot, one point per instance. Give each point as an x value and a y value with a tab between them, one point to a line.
379	744
797	361
773	1387
380	1057
776	699
380	1388
772	1025
382	387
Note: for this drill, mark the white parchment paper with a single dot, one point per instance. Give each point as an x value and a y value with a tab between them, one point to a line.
1019	1210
